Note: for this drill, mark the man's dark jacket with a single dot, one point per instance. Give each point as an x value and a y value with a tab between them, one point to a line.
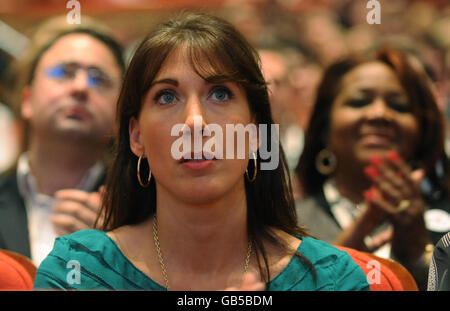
14	235
13	216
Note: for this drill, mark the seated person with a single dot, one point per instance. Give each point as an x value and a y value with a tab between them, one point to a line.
373	172
201	221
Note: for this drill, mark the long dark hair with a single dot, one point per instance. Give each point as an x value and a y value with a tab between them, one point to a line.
430	151
270	202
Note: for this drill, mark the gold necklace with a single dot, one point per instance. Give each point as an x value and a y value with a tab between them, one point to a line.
161	261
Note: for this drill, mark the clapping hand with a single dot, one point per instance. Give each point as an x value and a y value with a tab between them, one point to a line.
75	210
396	196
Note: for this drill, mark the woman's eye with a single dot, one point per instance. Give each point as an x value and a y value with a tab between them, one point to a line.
358	102
221	94
399	106
165	97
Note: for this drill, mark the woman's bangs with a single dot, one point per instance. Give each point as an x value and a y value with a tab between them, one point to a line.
212	63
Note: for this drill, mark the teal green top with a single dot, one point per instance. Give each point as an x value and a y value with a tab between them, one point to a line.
91	260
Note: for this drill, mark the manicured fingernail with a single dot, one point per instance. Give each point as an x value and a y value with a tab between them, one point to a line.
372	172
393	156
370	194
376	160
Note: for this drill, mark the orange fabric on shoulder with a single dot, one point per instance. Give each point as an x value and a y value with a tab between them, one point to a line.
382	274
16	272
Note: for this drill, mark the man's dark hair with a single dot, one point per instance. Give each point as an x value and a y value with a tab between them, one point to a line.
115	48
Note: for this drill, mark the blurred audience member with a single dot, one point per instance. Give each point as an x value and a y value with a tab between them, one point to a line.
72	79
323	34
374	167
9	138
292	78
10	134
439	274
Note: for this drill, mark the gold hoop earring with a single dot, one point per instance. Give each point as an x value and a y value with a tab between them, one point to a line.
326	162
255	170
139	174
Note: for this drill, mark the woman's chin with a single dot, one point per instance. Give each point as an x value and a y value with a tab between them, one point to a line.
199	193
203	190
365	156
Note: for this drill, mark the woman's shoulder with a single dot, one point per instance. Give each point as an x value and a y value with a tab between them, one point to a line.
90	237
80	243
313	213
323	267
322	253
80	261
334	266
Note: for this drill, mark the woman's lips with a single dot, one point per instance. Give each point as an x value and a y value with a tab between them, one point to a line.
197	165
377	139
197	161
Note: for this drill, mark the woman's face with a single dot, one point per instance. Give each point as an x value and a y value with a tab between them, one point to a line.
371	115
178	95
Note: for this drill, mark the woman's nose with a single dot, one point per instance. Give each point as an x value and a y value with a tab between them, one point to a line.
379	109
194	115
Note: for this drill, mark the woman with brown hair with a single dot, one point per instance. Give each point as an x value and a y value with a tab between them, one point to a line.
373	169
197	222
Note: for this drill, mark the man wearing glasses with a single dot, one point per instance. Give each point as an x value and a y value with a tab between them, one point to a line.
68	106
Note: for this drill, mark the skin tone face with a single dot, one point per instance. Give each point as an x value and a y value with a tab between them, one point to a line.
371	115
176	96
71	107
199	204
275	72
374	135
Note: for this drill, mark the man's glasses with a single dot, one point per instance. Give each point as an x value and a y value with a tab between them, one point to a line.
96	78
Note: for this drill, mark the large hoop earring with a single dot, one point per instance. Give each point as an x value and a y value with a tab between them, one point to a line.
139	174
255	170
326	162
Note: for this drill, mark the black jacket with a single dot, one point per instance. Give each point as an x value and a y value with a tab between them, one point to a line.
14	235
439	275
13	216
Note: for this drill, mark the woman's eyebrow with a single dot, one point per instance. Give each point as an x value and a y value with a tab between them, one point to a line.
218	79
208	80
165	81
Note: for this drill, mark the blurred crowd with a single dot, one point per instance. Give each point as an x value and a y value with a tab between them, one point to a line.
307	36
